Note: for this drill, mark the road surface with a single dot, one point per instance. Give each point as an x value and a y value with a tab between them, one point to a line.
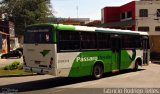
146	77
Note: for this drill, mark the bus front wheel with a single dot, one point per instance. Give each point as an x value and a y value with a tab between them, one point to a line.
98	71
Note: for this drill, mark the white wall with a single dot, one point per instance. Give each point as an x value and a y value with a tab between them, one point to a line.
150	21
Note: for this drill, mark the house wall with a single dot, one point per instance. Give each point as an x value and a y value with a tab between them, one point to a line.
126	8
111	14
151	21
129	7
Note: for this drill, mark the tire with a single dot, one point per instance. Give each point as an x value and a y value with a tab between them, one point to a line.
136	66
97	71
3	57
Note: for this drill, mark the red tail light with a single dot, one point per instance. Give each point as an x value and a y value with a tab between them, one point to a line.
51	62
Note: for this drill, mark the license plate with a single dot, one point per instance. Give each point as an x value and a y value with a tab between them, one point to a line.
37	62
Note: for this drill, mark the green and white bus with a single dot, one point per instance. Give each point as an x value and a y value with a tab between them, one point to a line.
75	51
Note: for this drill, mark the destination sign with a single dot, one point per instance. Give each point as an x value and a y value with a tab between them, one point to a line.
38	30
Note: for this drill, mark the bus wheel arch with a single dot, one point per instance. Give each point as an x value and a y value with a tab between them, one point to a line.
98	70
138	62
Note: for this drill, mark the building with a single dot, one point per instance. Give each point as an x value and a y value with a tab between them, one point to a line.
70	21
93	23
143	15
3	42
6	35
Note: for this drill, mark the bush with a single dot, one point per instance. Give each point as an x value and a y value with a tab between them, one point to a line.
6	67
20	67
13	66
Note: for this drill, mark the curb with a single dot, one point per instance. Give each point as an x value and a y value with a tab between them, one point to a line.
16	75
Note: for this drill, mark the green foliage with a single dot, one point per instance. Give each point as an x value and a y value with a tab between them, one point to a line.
20	67
13	66
6	68
26	12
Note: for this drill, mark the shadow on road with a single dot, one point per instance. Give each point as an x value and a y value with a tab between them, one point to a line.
156	62
120	72
55	82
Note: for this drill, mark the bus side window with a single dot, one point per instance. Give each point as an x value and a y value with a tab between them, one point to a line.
69	41
103	41
131	41
88	41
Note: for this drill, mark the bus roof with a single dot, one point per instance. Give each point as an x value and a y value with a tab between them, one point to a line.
92	29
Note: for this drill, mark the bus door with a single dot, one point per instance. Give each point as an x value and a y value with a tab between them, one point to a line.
116	52
145	46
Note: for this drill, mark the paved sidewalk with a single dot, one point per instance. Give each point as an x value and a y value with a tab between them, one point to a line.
4	62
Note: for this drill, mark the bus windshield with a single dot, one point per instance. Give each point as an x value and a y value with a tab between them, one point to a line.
37	34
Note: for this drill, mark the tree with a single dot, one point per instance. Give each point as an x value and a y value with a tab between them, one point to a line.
26	12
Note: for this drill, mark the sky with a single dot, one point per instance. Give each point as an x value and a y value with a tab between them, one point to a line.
86	8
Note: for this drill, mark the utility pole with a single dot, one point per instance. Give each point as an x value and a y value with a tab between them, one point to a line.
77	8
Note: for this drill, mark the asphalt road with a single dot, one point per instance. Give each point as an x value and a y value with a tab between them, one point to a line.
146	77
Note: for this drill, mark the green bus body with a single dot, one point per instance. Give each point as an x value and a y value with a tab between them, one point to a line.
64	56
